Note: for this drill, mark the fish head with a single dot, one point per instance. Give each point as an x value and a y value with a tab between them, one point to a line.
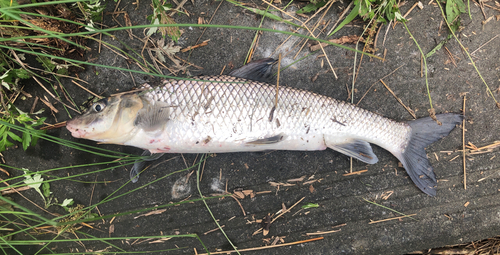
109	120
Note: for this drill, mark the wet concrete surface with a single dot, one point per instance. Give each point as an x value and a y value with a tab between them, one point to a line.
454	216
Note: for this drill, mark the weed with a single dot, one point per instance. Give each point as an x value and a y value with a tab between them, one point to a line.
453	10
13	116
160	16
312	6
92	11
11	76
36	182
378	10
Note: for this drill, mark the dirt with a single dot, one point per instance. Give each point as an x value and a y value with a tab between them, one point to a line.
454	215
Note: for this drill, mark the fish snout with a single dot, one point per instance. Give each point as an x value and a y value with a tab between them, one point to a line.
75	131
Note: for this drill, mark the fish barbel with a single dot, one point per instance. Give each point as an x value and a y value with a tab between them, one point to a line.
237	112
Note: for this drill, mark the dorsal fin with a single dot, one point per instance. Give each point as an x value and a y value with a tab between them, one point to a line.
258	70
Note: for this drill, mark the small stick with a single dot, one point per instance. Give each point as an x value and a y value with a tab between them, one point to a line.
472	53
487	5
283	212
357	172
100	35
210	21
411	9
315	26
54	126
131	76
222	71
179	6
204	43
357	72
279	215
376	83
494	145
399	100
340	18
322	233
450	55
421	65
92	193
94	94
386	31
47	103
188	63
481	4
395	218
213	230
12	190
254	46
263	192
34	105
376	38
463	143
243	210
342	40
279	46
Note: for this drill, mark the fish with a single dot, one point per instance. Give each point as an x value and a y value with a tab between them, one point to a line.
243	112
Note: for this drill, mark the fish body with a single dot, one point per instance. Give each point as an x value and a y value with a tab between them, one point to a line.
235	114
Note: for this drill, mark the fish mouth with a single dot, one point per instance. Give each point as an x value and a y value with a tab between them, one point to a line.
75	131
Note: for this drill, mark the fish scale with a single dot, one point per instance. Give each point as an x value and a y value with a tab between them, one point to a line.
235	110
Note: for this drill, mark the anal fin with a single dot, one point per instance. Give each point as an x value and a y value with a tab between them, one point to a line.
358	149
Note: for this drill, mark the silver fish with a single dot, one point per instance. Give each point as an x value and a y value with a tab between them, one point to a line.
236	113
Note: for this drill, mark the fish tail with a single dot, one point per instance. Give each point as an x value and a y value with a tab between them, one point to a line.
424	132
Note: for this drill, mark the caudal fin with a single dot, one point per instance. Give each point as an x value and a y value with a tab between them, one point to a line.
414	159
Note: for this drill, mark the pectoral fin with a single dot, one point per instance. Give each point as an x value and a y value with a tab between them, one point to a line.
153	117
355	148
268	140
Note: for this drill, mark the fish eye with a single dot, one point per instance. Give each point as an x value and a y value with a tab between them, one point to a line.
98	106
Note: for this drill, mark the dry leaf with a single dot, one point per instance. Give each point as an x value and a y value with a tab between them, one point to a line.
265	232
311	188
247	192
239	194
169	50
